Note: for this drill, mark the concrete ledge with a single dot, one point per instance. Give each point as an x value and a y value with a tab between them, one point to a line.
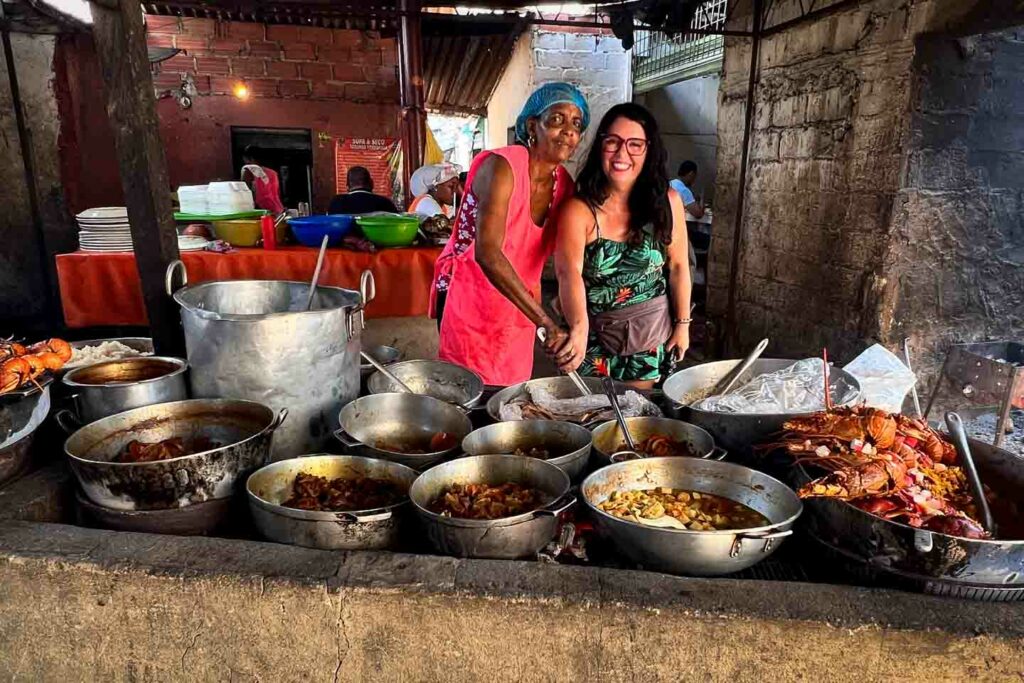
82	603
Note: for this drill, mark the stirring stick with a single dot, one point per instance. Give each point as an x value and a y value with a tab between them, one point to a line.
828	394
316	273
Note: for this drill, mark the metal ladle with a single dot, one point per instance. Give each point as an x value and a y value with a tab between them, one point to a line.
956	431
542	335
630	453
727	382
384	371
316	274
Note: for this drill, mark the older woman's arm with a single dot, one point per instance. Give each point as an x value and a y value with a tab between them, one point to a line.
493	186
574	225
679	282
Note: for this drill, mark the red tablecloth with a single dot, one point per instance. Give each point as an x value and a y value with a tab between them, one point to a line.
103	288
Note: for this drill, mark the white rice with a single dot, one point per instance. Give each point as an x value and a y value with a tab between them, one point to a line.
108	350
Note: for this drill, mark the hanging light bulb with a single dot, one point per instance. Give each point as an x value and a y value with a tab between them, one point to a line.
240	90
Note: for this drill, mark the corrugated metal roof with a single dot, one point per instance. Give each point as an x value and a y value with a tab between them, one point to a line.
461	71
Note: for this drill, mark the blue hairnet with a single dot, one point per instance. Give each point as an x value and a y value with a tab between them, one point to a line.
546	96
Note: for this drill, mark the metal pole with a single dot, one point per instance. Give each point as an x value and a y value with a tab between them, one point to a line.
28	167
737	238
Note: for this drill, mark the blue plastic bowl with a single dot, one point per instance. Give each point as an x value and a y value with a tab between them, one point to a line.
310	230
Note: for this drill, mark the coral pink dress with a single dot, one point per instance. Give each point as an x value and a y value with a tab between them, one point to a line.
480	328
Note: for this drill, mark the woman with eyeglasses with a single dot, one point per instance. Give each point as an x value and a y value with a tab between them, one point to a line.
622	256
487	280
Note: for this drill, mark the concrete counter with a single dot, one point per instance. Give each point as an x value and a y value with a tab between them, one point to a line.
79	603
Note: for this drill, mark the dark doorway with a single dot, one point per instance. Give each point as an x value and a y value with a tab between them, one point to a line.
289	151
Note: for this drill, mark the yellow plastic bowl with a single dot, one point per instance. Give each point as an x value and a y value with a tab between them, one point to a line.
239	232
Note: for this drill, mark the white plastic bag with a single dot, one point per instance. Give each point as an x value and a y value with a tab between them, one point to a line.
884	379
579	408
797	388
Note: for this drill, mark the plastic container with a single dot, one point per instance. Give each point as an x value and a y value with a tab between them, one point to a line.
193	199
238	233
310	230
267	230
229	197
389	231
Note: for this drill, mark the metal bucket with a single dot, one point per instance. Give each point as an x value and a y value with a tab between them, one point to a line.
253	339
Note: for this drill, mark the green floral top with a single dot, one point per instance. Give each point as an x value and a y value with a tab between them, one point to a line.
616	275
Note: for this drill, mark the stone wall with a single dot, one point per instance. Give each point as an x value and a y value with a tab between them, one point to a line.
958	221
828	164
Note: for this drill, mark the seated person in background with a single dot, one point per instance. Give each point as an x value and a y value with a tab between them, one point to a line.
684	186
434	188
360	198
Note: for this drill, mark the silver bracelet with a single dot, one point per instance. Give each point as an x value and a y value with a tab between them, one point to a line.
682	321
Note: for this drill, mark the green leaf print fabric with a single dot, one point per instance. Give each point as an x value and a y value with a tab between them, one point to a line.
617	275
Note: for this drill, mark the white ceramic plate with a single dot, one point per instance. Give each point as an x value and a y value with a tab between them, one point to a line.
105	213
108	249
121	225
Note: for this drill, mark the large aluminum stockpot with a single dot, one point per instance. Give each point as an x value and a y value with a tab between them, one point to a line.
375	529
911	551
506	538
572	441
737	432
608	438
401	419
445	381
114	386
254	339
243	430
699	553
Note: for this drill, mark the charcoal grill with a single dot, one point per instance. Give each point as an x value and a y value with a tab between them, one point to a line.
987	375
862	571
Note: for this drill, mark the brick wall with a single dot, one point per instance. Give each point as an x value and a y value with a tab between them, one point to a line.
304	62
827	158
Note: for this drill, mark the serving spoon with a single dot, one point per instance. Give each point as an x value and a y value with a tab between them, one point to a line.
959	436
387	373
630	453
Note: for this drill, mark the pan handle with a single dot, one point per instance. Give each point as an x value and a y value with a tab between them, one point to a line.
346	439
717	453
353	518
279	419
558	507
67	420
173	266
768	538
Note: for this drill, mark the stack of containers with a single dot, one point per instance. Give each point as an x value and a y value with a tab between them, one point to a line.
215	199
192	199
228	197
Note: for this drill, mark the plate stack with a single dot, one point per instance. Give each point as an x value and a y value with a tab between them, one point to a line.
104	229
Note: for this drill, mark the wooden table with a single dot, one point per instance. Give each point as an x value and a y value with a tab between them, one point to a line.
100	289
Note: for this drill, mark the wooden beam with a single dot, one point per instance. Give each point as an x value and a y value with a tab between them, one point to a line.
121	46
410	78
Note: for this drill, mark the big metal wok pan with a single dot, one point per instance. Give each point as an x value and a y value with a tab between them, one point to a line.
896	547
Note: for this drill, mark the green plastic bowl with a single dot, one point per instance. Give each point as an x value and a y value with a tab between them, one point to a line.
389	231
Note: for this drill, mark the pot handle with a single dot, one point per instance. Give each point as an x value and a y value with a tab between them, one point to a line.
367	293
279	419
718	454
624	456
768	538
345	438
67	420
173	266
353	518
557	507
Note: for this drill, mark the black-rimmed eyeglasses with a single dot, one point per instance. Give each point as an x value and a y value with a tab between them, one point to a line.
613	143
